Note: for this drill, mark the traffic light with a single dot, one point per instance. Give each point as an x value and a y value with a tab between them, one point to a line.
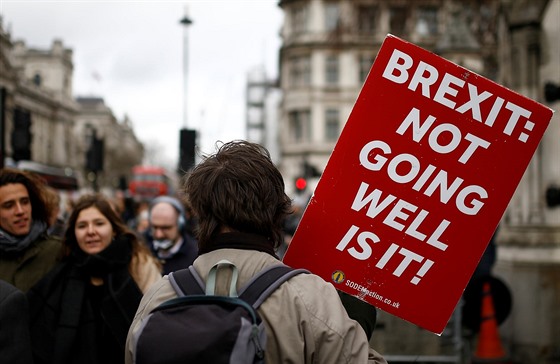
551	92
301	184
187	140
21	135
310	171
94	155
123	183
553	196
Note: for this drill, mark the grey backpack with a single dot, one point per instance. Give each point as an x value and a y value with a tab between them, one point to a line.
201	327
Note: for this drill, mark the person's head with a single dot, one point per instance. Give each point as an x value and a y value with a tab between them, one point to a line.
52	198
21	201
237	189
166	218
92	225
142	222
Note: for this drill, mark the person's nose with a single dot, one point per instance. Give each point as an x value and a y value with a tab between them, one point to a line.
158	233
90	229
19	209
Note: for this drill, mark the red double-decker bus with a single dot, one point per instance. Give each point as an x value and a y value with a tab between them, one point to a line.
148	182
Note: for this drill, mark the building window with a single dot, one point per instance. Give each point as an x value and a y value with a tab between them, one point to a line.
37	79
332	125
300	71
397	23
427	22
367	19
365	65
299	128
332	16
331	70
299	19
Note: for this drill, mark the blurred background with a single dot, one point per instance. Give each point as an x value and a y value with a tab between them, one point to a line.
125	98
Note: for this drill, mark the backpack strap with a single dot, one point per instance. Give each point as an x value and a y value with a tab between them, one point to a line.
265	282
187	282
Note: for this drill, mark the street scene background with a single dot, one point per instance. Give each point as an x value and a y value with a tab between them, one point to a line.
96	94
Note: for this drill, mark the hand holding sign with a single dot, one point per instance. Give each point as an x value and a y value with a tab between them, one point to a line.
417	183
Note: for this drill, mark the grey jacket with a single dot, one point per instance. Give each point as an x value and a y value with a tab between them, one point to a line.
304	318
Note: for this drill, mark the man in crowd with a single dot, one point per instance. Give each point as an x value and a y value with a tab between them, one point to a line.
238	198
27	253
168	235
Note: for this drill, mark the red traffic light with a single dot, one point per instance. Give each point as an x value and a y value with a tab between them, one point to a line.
301	183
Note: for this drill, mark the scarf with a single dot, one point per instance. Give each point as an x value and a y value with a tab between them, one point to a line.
237	240
14	244
117	255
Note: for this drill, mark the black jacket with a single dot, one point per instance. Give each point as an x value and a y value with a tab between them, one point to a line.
15	346
73	321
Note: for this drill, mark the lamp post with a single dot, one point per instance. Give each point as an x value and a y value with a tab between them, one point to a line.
187	137
185	22
2	123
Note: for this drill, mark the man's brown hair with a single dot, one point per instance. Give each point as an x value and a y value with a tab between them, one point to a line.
237	188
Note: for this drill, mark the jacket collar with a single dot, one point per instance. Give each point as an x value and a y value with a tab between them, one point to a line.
238	240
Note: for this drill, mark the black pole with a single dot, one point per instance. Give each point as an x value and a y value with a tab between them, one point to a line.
2	123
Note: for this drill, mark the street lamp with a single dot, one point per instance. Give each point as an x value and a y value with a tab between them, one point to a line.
187	137
185	22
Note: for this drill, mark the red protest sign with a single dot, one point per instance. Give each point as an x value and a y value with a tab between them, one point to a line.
417	183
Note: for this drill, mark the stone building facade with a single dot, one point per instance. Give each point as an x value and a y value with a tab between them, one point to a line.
37	87
121	149
44	123
328	48
529	234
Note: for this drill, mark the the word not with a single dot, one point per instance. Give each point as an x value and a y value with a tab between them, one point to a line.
418	131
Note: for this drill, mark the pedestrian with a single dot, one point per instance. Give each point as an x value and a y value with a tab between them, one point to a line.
56	223
238	198
82	309
167	235
27	252
141	222
15	346
290	226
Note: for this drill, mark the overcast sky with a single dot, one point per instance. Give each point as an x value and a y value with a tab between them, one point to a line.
131	54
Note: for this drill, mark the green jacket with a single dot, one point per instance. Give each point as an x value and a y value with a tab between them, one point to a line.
23	270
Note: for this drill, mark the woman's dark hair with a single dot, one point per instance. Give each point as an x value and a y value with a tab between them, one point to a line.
36	189
101	203
238	188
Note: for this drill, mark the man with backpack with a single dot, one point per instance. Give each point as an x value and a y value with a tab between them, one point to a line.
238	197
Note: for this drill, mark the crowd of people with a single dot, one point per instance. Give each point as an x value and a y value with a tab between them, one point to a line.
76	286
